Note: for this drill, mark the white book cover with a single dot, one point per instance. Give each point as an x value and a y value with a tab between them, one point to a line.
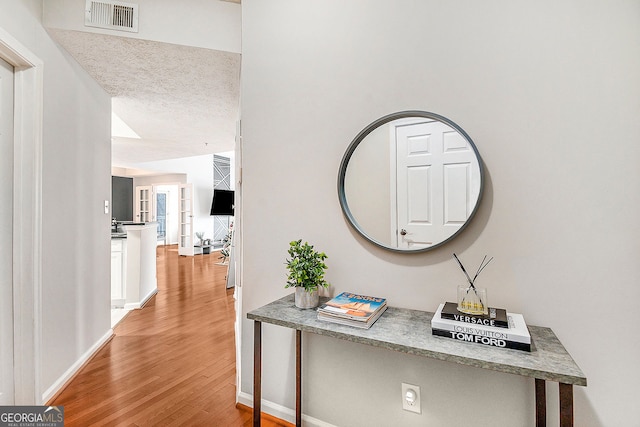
517	330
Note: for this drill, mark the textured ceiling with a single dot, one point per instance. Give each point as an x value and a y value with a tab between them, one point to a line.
182	101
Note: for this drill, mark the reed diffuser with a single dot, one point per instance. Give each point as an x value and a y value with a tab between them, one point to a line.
472	300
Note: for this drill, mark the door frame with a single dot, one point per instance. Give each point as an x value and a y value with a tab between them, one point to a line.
182	249
27	218
175	186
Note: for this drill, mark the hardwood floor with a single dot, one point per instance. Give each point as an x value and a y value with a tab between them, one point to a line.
171	362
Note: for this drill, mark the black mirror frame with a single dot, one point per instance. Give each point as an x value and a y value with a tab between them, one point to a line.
360	137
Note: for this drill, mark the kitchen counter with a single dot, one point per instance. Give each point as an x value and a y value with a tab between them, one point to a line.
133	265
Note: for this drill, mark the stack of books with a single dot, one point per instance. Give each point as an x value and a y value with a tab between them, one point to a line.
497	329
360	311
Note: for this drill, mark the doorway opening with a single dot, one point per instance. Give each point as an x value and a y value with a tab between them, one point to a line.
26	196
161	217
165	213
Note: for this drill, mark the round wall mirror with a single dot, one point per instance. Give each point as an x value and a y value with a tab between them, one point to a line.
410	181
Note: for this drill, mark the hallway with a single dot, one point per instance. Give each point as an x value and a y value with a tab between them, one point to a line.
171	362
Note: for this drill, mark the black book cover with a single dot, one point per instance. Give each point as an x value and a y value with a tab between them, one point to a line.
493	342
496	317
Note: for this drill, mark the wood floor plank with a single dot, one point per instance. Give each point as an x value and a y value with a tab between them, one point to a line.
171	363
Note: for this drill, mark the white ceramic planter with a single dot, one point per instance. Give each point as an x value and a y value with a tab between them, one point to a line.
306	299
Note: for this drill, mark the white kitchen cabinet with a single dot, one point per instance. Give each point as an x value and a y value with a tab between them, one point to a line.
118	272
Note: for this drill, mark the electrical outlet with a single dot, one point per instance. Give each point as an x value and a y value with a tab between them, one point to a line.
411	399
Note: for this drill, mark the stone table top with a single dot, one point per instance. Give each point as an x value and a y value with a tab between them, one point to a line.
409	331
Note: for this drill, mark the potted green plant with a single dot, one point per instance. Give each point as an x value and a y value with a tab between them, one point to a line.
306	273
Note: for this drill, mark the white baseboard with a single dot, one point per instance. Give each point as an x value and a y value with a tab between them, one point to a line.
60	382
136	305
282	412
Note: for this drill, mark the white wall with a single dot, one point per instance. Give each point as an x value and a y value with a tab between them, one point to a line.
75	184
180	178
367	184
200	23
549	93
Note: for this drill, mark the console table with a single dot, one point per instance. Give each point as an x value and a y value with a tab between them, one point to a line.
409	331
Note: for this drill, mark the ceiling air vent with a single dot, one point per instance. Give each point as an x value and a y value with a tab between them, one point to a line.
113	15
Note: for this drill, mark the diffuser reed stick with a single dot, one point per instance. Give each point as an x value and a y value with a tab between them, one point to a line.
464	270
481	267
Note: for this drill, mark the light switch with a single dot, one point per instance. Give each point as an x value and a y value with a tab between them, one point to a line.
106	206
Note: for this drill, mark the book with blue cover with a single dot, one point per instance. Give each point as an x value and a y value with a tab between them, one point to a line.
353	306
352	309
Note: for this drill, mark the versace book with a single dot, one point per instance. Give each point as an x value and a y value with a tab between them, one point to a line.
497	316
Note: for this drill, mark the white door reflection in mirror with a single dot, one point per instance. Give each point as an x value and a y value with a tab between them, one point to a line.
410	181
434	182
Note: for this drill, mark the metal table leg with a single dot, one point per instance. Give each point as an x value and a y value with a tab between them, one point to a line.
541	403
566	405
298	378
257	372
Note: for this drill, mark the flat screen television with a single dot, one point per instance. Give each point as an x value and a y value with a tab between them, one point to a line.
222	202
